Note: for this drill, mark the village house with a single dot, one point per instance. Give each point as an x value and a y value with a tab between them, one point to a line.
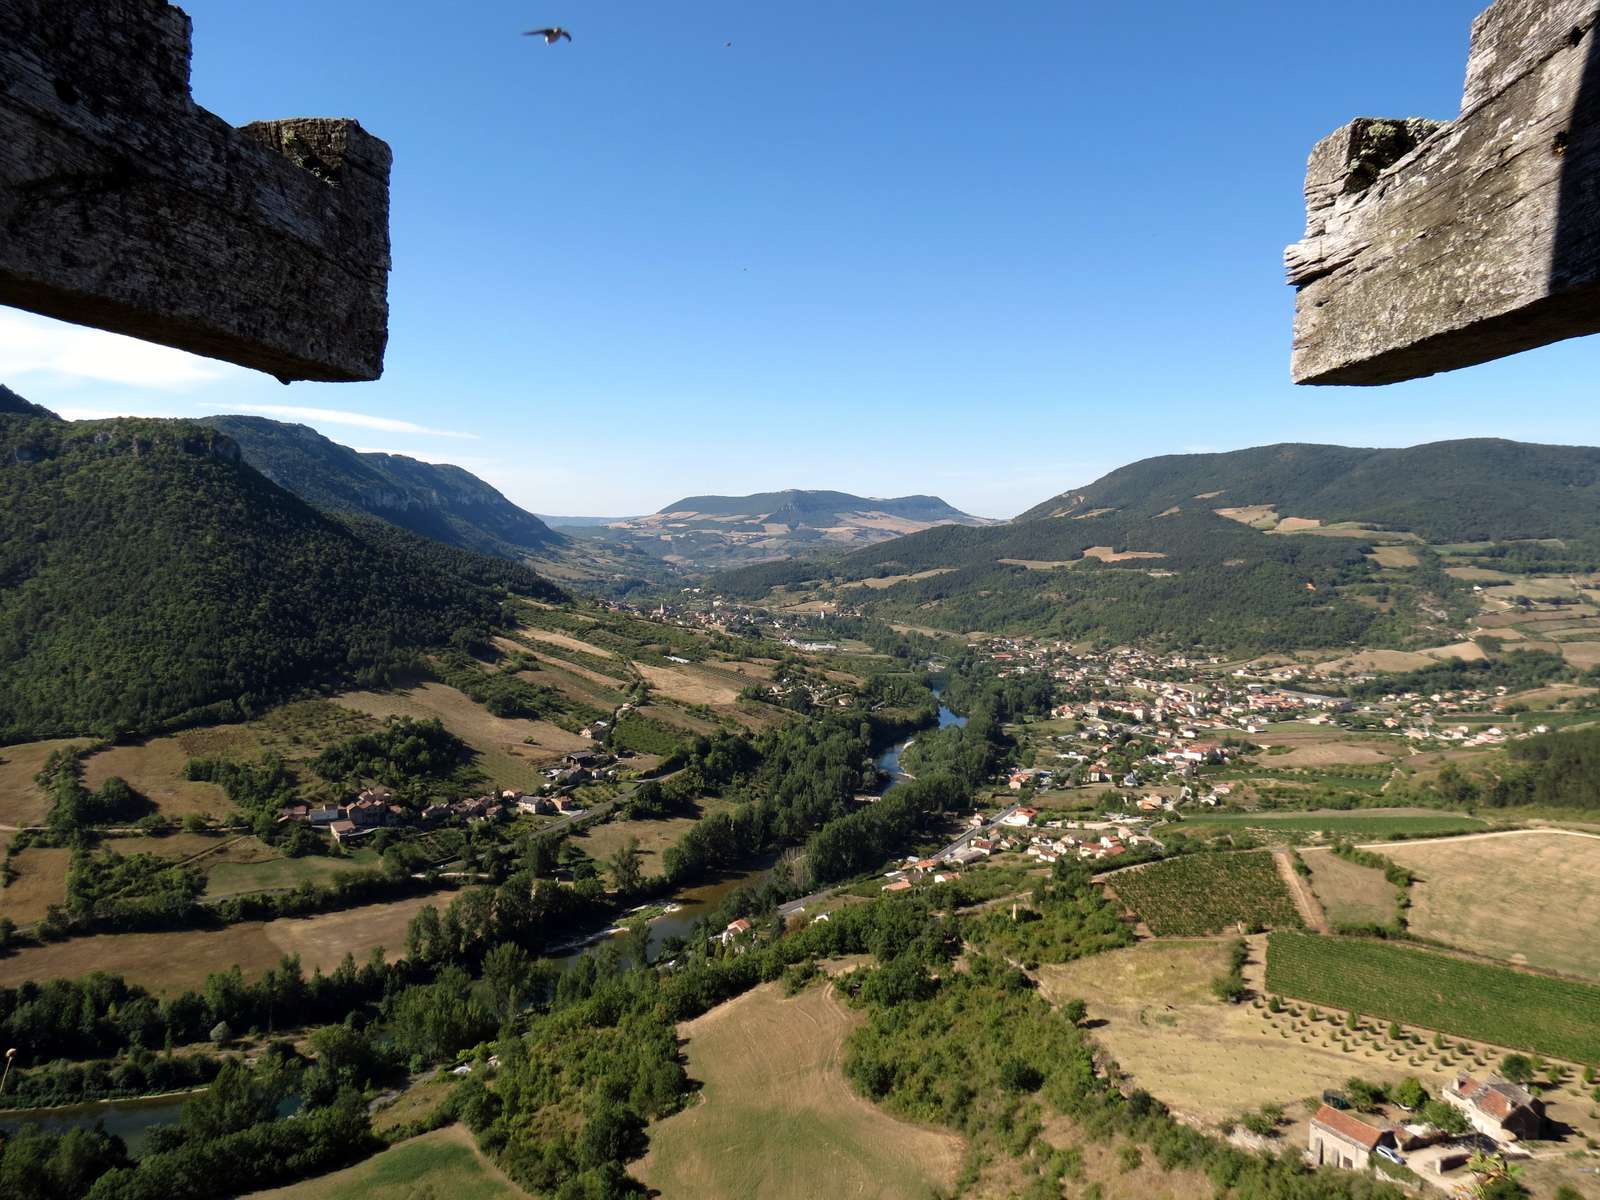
1019	819
1496	1107
1338	1139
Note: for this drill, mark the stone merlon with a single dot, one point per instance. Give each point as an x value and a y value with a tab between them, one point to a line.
1436	245
125	206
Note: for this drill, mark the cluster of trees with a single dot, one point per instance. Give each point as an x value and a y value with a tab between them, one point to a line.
1557	770
862	840
140	1072
804	775
74	809
230	1138
101	1015
405	749
134	890
1066	918
36	1165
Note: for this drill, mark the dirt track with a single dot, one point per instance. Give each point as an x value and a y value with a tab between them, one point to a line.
1310	911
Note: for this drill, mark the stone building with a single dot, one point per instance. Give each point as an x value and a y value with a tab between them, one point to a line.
1339	1139
1497	1107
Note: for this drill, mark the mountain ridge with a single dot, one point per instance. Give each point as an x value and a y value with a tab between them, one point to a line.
441	501
1442	491
1267	548
709	532
150	578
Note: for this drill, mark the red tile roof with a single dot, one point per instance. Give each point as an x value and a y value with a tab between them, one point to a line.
1348	1127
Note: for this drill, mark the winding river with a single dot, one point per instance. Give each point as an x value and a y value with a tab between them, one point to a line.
132	1120
889	760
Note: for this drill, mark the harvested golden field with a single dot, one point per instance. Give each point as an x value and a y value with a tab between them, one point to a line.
693	684
1583	655
622	678
1527	898
446	1162
1366	661
22	801
888	581
1395	556
1466	651
509	749
776	1118
155	769
1206	1059
1298	524
1035	564
172	962
1111	555
41	881
1555	694
1258	516
1326	745
1350	894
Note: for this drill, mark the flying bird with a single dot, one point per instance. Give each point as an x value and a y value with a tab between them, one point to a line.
551	36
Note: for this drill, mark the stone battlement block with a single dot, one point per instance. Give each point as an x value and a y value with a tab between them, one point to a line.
1436	245
125	206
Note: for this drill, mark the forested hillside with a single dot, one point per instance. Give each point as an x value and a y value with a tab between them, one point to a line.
10	402
1184	579
148	576
1469	490
438	501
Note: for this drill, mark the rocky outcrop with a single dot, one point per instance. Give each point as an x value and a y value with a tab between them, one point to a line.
125	206
1436	245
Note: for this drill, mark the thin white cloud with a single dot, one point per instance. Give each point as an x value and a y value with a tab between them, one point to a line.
77	412
37	346
356	420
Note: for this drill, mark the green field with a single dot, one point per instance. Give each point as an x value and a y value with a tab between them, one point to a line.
435	1166
1200	894
1353	823
1436	991
237	879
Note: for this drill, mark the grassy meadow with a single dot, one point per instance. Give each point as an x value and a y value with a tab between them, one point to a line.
777	1118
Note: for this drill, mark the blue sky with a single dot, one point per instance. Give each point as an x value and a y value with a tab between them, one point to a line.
983	251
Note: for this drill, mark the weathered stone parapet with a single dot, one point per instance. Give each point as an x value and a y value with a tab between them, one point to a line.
125	206
1431	246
